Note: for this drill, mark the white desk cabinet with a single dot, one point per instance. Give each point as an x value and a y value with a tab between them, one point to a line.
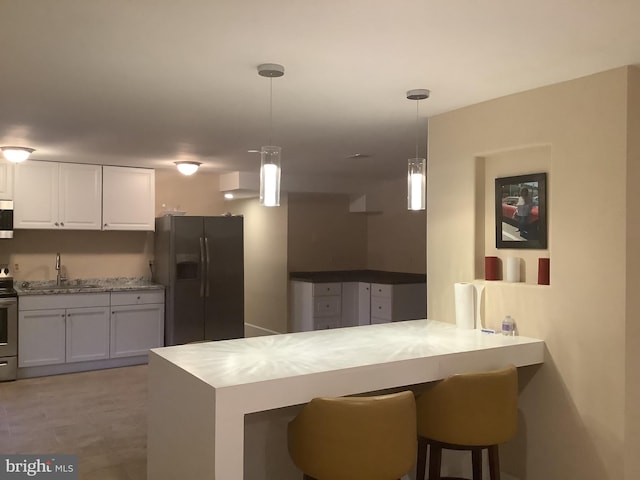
315	306
51	195
128	198
356	304
390	303
137	322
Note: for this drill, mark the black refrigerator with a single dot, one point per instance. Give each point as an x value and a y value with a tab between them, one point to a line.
200	262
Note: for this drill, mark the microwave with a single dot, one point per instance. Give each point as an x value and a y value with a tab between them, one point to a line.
6	219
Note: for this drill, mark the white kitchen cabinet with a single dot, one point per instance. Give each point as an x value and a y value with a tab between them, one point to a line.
137	322
41	339
51	195
6	180
87	334
128	201
80	206
62	328
394	302
315	306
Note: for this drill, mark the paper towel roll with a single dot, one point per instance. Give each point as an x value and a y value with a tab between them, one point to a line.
513	269
465	305
478	300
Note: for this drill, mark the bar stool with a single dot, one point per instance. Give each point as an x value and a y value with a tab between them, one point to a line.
355	438
467	412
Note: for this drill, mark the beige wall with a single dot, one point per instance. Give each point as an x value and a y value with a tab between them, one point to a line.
83	254
197	194
396	237
323	235
572	408
265	270
632	434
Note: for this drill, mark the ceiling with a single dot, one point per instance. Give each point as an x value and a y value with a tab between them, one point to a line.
150	82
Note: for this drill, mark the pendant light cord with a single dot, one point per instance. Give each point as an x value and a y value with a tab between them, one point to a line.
417	128
270	110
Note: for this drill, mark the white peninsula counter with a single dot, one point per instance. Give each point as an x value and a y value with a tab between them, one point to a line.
199	394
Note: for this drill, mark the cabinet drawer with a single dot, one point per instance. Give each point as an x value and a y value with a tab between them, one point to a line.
381	307
71	300
320	289
326	323
326	306
381	290
137	297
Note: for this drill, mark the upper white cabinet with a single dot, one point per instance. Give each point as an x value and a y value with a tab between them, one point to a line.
6	180
52	195
128	201
72	196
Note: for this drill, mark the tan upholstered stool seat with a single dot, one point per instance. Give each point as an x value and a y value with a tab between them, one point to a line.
355	438
467	412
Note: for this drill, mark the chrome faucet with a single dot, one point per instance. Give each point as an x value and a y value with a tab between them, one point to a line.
58	279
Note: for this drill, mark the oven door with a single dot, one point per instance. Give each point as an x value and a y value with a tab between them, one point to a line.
8	327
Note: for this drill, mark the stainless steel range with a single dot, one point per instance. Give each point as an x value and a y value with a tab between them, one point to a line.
8	326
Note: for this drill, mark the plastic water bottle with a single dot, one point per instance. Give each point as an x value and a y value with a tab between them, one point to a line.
508	326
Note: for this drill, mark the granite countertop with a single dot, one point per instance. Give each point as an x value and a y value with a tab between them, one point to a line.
367	276
89	285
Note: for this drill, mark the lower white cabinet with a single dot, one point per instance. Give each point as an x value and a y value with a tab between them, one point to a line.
41	338
87	334
138	326
69	328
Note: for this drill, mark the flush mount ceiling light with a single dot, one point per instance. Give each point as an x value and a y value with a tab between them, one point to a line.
417	173
188	168
16	154
270	155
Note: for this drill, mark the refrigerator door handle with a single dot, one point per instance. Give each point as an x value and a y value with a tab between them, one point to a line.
208	257
203	272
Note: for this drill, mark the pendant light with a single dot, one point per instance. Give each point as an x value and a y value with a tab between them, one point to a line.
16	154
270	155
417	172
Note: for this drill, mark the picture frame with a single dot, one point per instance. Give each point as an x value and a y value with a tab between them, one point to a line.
521	211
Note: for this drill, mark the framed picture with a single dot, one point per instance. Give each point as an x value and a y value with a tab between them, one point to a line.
521	211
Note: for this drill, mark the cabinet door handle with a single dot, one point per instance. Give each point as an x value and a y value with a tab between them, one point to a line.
208	259
138	297
106	224
4	364
57	224
62	315
62	224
